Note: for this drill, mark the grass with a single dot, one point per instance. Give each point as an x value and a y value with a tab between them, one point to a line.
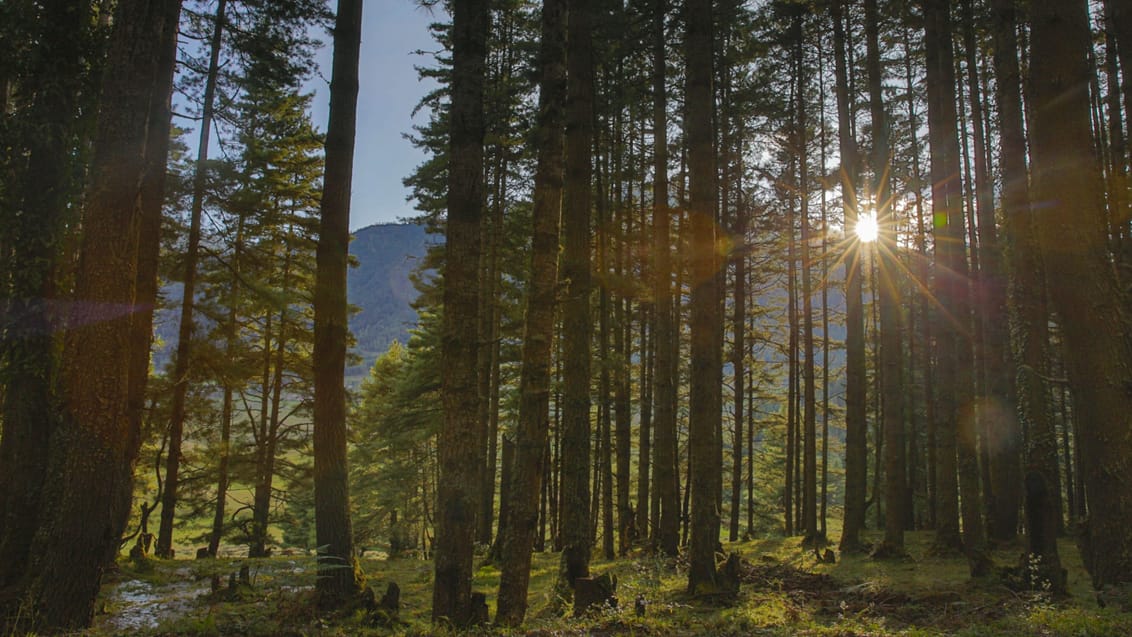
786	592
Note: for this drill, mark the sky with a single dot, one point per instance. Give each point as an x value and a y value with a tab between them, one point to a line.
392	30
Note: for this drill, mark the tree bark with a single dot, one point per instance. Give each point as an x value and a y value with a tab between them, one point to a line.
460	465
1082	286
887	253
95	447
950	283
576	320
704	262
856	450
339	577
666	535
534	377
30	403
182	359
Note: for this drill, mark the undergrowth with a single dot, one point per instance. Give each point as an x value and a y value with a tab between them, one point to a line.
786	591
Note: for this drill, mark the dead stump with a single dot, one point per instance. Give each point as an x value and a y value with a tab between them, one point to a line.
386	612
594	592
479	615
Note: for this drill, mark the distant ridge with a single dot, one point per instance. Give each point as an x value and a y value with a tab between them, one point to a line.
381	287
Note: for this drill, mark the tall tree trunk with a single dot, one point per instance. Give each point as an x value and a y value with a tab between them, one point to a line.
534	377
182	359
29	356
339	577
809	392
950	283
666	534
890	266
1003	435
856	450
95	447
576	319
1082	286
704	261
460	465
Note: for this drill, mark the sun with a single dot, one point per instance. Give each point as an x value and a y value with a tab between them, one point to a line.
867	228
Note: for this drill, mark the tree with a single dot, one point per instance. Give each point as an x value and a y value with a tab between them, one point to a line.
331	332
1082	287
856	450
576	320
1027	293
705	403
188	296
458	492
534	385
950	281
666	533
93	451
892	356
35	217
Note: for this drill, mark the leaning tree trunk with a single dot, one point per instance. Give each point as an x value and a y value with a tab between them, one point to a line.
188	297
460	465
534	379
339	576
1082	286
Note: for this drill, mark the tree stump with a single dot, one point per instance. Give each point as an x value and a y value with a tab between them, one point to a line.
479	615
730	576
594	592
386	612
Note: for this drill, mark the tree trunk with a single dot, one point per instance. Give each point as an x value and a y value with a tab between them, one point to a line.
339	577
534	378
95	447
182	359
890	266
231	335
1082	287
29	355
460	465
856	450
950	283
704	261
667	532
809	392
576	320
1003	435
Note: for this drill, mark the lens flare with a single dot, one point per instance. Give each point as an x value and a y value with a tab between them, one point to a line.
867	228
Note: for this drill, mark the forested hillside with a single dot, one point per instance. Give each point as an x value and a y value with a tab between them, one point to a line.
381	287
721	317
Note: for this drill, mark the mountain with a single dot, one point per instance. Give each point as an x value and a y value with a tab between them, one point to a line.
381	289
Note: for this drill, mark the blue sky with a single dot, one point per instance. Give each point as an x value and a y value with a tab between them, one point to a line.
392	31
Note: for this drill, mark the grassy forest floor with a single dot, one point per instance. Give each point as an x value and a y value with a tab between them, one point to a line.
785	591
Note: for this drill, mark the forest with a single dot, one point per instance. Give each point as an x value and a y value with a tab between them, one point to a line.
775	317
